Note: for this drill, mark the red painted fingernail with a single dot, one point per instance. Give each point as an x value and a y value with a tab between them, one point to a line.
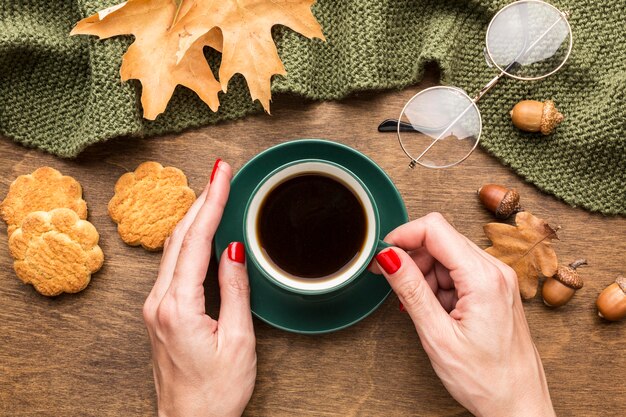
236	252
401	306
389	261
215	166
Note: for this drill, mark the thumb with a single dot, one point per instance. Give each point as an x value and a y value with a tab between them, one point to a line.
235	316
413	291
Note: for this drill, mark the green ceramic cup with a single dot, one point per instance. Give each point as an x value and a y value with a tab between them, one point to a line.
333	282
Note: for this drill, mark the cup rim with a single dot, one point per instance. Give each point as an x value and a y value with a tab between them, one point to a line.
302	291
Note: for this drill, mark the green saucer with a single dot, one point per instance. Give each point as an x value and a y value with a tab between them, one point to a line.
315	313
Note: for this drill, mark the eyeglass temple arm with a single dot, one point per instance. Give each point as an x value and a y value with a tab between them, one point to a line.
391	125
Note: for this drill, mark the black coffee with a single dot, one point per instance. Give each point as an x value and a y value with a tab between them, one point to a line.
311	225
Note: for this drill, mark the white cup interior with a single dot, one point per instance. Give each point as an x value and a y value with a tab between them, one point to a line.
310	284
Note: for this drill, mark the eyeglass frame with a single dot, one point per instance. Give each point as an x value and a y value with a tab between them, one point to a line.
400	126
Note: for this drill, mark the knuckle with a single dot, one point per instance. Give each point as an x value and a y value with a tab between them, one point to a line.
502	286
238	285
166	313
411	293
148	311
217	205
237	337
510	276
194	237
491	271
435	217
512	287
497	280
498	263
243	339
176	232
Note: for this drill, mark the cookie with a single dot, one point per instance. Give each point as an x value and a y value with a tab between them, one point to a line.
55	251
148	203
43	190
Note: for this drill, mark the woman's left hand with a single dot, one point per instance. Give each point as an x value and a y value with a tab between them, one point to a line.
202	366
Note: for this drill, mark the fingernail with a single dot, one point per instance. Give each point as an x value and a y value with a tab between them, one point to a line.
388	260
401	306
236	252
215	167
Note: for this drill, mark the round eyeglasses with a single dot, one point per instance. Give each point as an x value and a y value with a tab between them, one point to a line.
439	127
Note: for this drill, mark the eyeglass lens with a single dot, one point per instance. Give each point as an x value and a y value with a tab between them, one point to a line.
529	39
440	127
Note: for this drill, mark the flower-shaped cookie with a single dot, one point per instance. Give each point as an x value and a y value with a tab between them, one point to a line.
55	251
148	203
43	190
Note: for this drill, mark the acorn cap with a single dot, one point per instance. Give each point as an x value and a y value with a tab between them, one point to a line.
569	277
550	117
621	282
509	204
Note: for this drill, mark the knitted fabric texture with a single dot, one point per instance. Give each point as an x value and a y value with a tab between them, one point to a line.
62	94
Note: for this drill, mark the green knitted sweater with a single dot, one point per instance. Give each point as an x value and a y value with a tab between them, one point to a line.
62	94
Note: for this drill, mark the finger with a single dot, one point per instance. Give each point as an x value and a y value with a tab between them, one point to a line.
195	251
447	299
444	280
172	248
436	275
421	257
444	243
439	278
445	294
431	279
413	291
506	272
430	267
235	316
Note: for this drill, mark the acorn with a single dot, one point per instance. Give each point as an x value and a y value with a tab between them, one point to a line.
560	288
611	302
499	200
535	116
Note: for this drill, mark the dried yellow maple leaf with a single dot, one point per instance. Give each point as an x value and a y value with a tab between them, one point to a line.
527	248
151	58
248	47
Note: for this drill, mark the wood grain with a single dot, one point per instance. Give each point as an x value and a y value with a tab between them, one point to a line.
88	354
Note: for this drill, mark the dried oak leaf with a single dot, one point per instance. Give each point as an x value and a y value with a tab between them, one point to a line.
527	248
248	46
151	58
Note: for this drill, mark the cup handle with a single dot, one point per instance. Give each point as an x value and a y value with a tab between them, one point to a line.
381	244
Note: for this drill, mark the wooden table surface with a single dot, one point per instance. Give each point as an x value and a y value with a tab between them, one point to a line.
88	354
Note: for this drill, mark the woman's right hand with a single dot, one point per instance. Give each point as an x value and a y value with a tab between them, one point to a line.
467	310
